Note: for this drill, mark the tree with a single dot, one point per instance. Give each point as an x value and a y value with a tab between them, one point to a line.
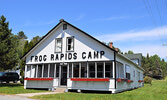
8	52
21	35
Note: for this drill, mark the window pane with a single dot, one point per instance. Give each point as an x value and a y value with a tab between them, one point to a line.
33	71
28	71
84	70
70	42
52	69
45	73
92	70
70	70
58	45
76	70
128	72
57	70
99	70
108	70
39	71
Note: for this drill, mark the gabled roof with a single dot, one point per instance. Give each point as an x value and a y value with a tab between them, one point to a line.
63	21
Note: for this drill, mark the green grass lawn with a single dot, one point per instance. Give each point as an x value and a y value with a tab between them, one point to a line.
12	88
158	91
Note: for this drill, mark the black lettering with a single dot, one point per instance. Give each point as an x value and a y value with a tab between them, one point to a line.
101	53
40	58
90	55
31	58
57	57
61	56
83	55
44	58
69	56
36	58
52	57
75	56
96	54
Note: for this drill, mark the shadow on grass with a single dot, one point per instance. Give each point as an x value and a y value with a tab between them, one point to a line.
10	85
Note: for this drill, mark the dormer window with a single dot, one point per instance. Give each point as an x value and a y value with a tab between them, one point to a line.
58	45
70	44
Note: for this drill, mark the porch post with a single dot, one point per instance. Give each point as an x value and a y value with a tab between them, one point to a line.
42	69
95	69
25	71
68	70
31	72
87	69
104	69
79	70
59	74
55	71
72	69
113	69
48	70
37	72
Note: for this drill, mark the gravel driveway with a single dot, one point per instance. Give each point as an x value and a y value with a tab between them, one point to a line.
13	97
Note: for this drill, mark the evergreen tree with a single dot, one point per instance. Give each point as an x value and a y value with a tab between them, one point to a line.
8	52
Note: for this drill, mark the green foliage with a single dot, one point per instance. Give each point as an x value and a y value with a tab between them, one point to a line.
147	79
154	66
21	35
8	44
158	91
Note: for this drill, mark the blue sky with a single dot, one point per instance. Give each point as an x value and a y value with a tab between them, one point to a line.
137	25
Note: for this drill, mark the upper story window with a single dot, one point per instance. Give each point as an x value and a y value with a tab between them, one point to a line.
70	44
58	45
64	26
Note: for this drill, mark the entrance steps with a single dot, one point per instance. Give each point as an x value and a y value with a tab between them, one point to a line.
60	89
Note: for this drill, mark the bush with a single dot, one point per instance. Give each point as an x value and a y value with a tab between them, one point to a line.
147	79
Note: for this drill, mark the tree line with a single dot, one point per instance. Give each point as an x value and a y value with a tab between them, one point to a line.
13	47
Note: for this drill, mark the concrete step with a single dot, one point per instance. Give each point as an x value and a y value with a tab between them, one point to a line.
60	90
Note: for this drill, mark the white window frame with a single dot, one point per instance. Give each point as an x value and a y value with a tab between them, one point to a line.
72	44
56	47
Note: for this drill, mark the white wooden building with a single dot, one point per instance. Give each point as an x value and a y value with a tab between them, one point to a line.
68	57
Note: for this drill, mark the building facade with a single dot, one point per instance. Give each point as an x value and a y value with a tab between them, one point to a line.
68	57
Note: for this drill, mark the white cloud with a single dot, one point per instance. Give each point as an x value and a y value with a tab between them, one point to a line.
152	34
112	18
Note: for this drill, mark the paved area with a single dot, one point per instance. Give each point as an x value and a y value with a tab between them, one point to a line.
13	97
34	94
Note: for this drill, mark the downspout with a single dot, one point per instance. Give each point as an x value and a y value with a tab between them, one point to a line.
115	69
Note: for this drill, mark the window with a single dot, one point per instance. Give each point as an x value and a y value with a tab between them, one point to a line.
108	70
134	73
33	71
57	70
64	26
92	70
84	70
99	70
52	67
39	71
28	71
139	75
58	45
70	44
76	70
128	72
70	70
119	70
45	72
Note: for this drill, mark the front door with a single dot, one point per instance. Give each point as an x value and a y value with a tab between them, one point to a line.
63	75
